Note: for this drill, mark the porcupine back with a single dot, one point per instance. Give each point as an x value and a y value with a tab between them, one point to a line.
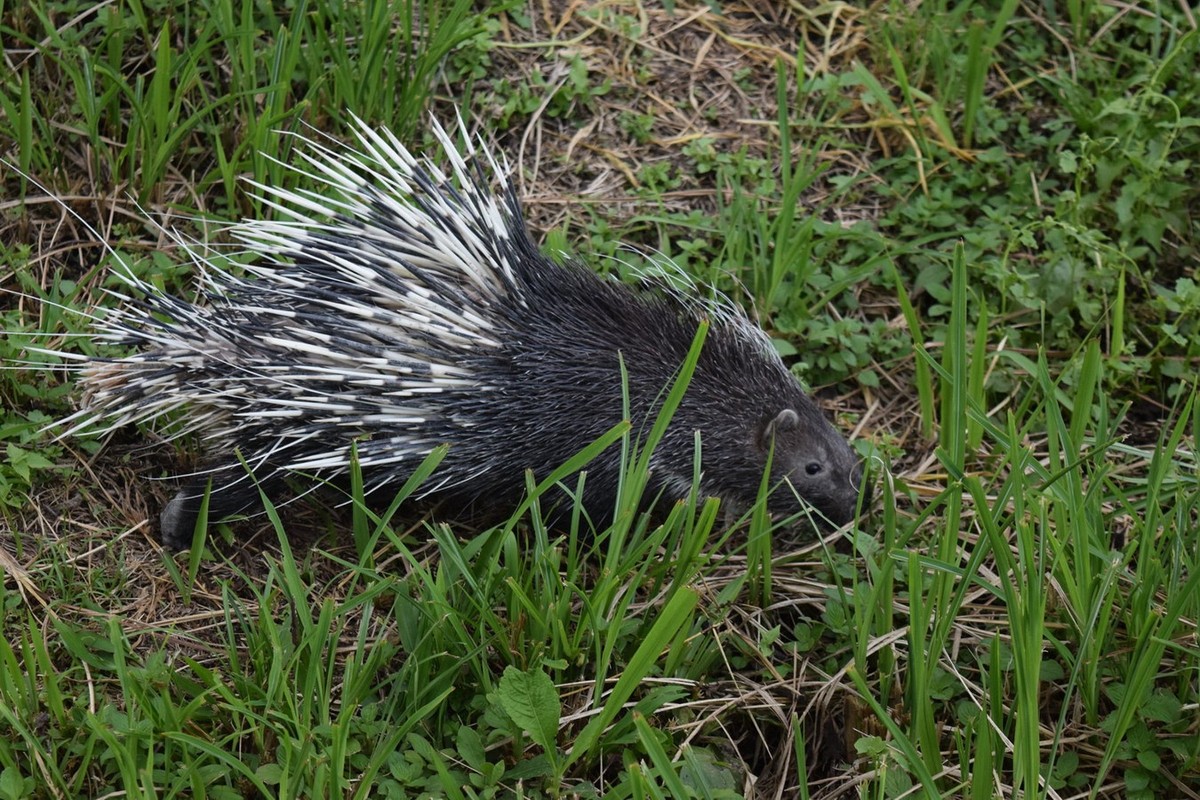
403	307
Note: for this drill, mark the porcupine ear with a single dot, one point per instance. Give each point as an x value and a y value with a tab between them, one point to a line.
785	420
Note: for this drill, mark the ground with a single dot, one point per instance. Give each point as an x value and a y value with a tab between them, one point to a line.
968	230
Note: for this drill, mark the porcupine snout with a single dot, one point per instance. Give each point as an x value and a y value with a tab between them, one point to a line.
818	465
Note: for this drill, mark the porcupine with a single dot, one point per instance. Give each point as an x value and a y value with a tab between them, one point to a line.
403	307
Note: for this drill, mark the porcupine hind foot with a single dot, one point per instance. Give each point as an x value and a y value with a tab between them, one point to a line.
227	497
177	522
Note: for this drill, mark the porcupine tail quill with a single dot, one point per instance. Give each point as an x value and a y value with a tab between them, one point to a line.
363	304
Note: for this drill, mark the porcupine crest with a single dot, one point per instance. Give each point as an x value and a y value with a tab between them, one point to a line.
403	307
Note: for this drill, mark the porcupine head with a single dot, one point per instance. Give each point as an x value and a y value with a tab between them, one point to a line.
405	306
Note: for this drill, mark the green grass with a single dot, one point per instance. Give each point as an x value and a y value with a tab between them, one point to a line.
971	228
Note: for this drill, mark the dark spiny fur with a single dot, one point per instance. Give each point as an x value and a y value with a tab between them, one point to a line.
359	325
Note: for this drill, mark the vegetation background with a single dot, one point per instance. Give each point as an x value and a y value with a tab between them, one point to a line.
969	226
